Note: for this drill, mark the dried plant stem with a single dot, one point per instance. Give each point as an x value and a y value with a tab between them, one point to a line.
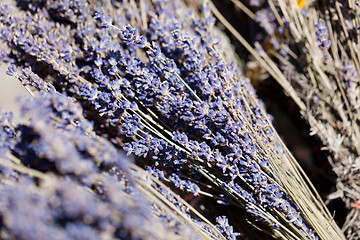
243	8
22	169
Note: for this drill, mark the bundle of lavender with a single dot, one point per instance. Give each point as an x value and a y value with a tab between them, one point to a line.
154	79
313	53
61	181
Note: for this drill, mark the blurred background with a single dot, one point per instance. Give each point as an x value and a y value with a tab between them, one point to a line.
10	89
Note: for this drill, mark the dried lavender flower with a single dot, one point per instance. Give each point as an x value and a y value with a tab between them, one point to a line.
320	73
161	87
76	182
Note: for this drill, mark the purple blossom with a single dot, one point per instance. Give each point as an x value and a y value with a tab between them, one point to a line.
256	3
322	35
131	37
224	227
185	184
11	71
266	20
105	20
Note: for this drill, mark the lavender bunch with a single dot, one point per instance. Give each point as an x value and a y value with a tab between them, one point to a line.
314	56
155	80
332	102
79	185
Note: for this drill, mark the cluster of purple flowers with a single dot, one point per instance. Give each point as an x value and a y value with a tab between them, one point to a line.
187	85
82	188
322	35
152	79
63	209
351	79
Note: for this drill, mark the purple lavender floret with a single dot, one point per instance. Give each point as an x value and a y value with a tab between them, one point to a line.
266	20
351	77
322	35
257	3
105	20
11	70
224	227
131	36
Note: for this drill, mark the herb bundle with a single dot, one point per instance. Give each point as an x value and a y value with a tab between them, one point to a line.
153	78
